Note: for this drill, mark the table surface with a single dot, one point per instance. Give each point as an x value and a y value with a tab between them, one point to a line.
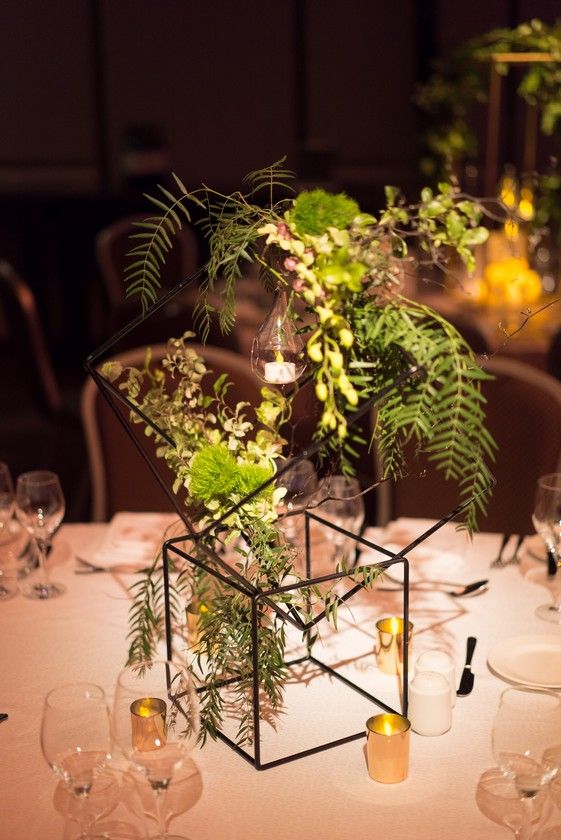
82	636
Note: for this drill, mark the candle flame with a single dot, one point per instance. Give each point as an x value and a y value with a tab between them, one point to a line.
395	625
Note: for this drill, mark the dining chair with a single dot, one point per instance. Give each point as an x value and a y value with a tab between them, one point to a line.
39	422
553	356
24	338
120	478
524	416
113	243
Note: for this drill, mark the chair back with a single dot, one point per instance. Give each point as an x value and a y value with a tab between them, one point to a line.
113	243
553	356
121	478
25	343
524	416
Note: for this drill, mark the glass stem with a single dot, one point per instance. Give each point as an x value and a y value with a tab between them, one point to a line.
42	560
557	584
160	796
83	826
526	830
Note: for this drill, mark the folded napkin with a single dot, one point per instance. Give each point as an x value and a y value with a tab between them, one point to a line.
427	561
134	539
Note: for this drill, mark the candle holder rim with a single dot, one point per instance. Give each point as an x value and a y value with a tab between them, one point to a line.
390	618
159	706
405	723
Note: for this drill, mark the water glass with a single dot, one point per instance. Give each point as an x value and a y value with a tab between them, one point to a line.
8	586
340	501
40	509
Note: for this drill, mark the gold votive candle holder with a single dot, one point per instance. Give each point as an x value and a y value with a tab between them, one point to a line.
390	644
148	722
387	747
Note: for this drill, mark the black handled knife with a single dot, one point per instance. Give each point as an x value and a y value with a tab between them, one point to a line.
467	679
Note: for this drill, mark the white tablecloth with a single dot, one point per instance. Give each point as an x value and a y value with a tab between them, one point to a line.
327	796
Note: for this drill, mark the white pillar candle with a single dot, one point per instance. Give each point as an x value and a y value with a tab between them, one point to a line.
442	663
280	372
430	709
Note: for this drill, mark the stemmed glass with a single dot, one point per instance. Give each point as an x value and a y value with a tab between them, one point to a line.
498	799
547	522
300	482
156	723
524	731
40	509
340	501
7	503
76	739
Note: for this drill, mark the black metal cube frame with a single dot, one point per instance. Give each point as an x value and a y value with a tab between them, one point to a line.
230	576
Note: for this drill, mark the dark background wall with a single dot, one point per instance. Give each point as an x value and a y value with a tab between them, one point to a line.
101	99
223	87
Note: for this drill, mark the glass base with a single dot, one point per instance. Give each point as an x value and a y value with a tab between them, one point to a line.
548	612
42	591
169	837
7	592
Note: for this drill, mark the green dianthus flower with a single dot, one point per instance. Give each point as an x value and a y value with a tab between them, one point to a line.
315	211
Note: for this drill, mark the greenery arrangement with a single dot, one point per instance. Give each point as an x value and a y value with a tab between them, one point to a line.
361	333
462	79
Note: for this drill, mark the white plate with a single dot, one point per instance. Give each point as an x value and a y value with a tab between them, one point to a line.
528	660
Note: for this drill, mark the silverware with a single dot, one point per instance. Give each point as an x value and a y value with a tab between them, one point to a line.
498	562
92	569
476	588
514	560
460	591
467	678
89	568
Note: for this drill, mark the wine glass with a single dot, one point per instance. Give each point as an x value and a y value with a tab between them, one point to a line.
87	811
40	509
76	739
300	482
340	501
498	798
547	522
7	503
156	724
524	731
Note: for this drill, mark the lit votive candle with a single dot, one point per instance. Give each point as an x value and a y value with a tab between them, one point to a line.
387	748
280	373
148	722
442	663
430	708
390	644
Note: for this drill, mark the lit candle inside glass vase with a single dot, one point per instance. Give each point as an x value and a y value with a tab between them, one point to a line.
148	723
387	748
390	644
277	354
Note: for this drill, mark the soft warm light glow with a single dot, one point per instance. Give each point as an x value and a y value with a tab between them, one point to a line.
145	709
148	724
510	282
280	373
507	192
396	625
511	230
387	727
526	205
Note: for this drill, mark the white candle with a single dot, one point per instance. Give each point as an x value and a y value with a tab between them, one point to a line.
280	372
442	663
430	707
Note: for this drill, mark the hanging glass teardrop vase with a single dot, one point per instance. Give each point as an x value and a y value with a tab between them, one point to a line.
277	354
